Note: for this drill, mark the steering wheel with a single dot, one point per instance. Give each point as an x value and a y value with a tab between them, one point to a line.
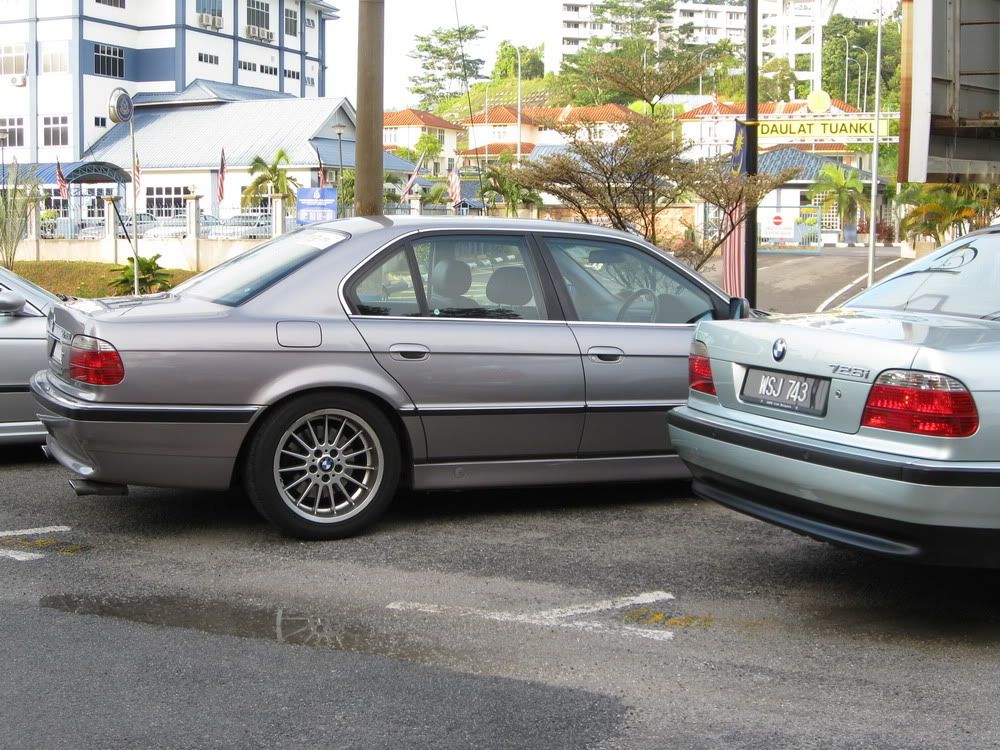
644	292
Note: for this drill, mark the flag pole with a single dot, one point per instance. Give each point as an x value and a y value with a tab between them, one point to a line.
135	214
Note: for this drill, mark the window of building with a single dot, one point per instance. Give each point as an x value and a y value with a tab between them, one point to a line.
291	22
211	7
55	130
571	8
711	14
310	23
112	3
109	61
12	59
55	57
258	14
166	201
310	81
94	201
246	65
571	42
499	132
440	135
54	201
268	70
101	122
687	14
571	24
207	58
293	74
13	127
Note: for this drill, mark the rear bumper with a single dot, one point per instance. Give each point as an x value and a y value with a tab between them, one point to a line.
939	513
158	446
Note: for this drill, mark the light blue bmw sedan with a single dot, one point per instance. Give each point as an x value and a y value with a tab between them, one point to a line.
874	426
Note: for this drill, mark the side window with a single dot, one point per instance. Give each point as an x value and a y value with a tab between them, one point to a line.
612	282
479	276
386	289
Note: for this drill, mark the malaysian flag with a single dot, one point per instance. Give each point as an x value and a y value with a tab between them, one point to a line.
733	258
322	171
413	178
61	182
221	192
454	186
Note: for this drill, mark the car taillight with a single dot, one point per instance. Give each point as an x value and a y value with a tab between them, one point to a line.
95	362
700	370
923	403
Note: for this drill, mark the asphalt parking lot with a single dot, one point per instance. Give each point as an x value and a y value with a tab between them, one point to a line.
624	616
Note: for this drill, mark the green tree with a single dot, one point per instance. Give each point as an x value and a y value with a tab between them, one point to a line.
532	65
435	195
840	189
501	180
636	19
428	146
268	179
863	35
21	194
443	65
152	277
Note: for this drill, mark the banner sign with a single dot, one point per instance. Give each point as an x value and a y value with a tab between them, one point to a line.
842	129
315	204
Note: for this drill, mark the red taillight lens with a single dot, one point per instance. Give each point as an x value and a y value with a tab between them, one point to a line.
95	362
700	370
922	403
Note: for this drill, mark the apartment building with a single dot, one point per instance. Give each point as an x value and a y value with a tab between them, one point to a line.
710	23
61	59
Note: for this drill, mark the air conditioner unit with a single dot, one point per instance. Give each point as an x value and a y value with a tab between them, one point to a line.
18	81
253	31
217	22
269	35
204	19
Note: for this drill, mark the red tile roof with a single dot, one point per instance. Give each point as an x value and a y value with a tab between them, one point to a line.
507	115
500	115
737	109
415	117
495	149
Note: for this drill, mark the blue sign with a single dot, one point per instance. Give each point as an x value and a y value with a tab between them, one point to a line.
315	204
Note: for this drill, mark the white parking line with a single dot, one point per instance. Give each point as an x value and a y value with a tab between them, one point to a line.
35	532
857	281
14	554
558	618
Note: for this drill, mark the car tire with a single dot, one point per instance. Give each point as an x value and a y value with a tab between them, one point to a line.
323	466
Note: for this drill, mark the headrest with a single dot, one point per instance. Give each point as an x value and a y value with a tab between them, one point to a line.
509	285
451	278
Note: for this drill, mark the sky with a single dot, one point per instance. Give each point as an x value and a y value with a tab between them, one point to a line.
518	21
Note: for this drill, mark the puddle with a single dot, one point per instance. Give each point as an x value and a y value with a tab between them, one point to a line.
267	623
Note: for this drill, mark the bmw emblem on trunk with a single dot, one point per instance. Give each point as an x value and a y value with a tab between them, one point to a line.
779	349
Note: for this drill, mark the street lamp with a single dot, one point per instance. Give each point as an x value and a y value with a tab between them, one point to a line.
858	63
339	129
864	108
847	49
518	51
872	223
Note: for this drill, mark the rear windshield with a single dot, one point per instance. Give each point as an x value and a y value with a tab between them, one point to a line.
962	279
248	274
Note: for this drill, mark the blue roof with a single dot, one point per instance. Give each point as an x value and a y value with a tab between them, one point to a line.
329	151
73	172
201	90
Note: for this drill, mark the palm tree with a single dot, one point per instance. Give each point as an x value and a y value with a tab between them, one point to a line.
841	189
939	210
269	179
500	180
436	194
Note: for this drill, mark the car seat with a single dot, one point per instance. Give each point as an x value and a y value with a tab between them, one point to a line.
450	280
509	287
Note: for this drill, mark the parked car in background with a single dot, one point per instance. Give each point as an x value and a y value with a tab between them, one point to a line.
23	307
876	426
252	226
329	365
145	221
176	226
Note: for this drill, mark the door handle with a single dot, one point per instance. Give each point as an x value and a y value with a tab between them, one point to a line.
409	352
605	354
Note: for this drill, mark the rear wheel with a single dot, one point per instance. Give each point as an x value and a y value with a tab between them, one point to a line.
323	466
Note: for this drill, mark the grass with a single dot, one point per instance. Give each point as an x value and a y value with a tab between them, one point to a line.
79	278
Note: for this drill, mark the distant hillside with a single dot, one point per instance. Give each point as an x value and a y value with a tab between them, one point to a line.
537	92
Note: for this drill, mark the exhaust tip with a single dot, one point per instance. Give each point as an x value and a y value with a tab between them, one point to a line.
87	487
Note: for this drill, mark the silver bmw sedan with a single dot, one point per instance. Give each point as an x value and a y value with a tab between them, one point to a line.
323	369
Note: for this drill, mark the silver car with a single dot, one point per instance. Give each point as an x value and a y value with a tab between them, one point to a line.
326	367
876	426
23	307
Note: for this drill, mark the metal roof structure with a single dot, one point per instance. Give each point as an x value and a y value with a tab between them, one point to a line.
200	91
79	172
193	136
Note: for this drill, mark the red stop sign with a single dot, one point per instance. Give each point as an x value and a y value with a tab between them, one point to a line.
777	220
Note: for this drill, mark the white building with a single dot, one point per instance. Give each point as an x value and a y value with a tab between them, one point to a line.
61	59
571	27
710	23
403	129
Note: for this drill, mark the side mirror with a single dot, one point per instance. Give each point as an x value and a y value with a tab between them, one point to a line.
739	307
11	303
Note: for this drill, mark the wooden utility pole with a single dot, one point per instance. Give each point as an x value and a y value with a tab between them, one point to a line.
368	191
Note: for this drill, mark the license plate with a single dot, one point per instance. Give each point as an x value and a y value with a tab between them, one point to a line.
56	353
802	394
